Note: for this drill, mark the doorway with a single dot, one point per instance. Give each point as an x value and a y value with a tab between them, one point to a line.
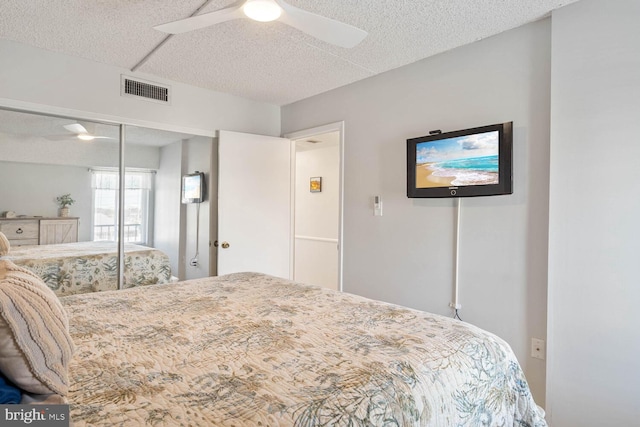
316	206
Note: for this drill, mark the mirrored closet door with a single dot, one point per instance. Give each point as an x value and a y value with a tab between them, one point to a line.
61	199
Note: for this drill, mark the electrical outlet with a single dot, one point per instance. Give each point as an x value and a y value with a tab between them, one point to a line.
537	348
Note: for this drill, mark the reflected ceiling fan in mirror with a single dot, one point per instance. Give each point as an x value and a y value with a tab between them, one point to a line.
81	132
323	28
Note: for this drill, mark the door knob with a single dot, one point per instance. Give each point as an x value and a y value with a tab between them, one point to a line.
225	245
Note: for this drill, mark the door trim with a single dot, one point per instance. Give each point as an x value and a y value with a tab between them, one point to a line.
308	133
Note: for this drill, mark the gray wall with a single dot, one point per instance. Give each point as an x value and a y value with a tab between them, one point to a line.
407	256
167	204
199	152
176	223
594	343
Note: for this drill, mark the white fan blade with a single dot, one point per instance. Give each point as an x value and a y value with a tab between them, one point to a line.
75	128
206	19
321	27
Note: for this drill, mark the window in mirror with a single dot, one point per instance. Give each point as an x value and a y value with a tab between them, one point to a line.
137	215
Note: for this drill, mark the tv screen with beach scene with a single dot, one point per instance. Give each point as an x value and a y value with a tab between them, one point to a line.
464	163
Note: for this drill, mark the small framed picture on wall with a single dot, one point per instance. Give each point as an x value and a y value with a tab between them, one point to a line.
315	184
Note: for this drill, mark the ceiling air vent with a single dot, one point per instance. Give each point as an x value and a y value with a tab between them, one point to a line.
144	89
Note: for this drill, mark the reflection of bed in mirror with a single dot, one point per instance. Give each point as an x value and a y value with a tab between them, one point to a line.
81	267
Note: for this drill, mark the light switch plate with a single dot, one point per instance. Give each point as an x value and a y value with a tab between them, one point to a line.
377	206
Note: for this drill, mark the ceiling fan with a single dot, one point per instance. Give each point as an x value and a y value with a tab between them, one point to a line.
82	133
318	26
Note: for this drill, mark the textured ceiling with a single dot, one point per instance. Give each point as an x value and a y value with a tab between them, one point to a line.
269	62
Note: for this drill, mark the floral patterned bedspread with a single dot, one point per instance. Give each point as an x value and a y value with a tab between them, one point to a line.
254	350
74	268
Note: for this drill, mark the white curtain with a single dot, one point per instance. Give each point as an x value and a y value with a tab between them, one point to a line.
109	180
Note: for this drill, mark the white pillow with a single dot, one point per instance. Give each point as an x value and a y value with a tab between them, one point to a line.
35	345
4	244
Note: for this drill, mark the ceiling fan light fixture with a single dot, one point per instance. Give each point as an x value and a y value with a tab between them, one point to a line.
262	10
86	137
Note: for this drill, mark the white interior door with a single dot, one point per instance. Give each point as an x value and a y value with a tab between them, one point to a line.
254	205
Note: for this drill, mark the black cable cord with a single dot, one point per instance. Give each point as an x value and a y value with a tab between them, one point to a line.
457	316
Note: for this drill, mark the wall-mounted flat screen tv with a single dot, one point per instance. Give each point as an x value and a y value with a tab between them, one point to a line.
464	163
193	188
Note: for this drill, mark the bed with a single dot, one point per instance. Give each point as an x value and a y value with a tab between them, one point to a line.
73	268
254	350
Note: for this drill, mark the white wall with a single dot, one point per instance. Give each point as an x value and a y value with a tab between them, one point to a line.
31	189
594	343
316	217
406	256
37	79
